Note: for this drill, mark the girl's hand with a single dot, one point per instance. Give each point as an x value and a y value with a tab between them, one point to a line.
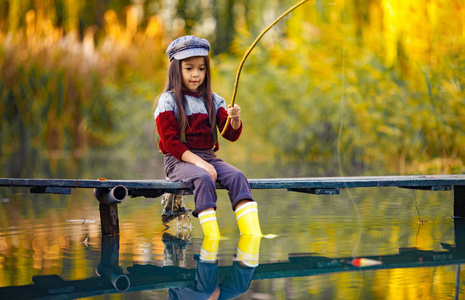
207	167
194	159
234	113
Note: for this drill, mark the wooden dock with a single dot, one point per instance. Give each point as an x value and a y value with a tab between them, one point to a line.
112	192
314	185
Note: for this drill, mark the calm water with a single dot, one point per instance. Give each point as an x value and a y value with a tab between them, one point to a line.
310	259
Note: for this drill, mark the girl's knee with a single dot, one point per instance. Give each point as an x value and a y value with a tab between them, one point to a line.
238	175
206	178
204	181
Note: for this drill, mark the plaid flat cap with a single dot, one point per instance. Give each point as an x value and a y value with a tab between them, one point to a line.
187	46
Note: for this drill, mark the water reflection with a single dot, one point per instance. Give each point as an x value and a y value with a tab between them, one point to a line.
56	239
108	267
212	283
210	279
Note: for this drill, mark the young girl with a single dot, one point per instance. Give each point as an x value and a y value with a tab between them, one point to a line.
187	115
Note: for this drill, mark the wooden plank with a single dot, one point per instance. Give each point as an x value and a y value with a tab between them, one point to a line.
154	193
316	191
267	183
351	182
50	190
435	188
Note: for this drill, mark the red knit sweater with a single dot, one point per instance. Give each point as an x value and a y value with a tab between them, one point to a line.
198	133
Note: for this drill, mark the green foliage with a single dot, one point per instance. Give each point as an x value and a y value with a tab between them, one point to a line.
319	95
329	83
46	96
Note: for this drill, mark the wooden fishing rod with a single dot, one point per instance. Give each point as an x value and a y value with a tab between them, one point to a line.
238	74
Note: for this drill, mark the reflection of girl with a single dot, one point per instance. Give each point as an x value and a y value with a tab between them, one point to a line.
205	284
187	115
236	282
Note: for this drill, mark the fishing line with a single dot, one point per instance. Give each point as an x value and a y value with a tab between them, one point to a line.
341	113
238	74
341	173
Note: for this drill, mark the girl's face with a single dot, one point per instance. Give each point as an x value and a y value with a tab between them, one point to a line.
193	72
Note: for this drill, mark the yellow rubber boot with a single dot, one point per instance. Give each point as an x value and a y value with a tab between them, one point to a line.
247	219
248	250
209	249
209	223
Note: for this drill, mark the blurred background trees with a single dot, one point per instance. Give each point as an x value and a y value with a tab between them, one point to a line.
348	83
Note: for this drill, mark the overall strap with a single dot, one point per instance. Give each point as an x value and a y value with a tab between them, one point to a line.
182	131
214	132
215	137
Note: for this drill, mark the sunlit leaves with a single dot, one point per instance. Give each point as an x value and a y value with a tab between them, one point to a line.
349	81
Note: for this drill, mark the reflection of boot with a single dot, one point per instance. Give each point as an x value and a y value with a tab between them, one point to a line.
247	219
209	223
209	249
248	250
173	207
174	249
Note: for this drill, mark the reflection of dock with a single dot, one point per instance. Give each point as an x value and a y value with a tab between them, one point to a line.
301	265
112	192
148	277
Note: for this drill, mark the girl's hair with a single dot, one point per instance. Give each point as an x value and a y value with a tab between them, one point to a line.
175	85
